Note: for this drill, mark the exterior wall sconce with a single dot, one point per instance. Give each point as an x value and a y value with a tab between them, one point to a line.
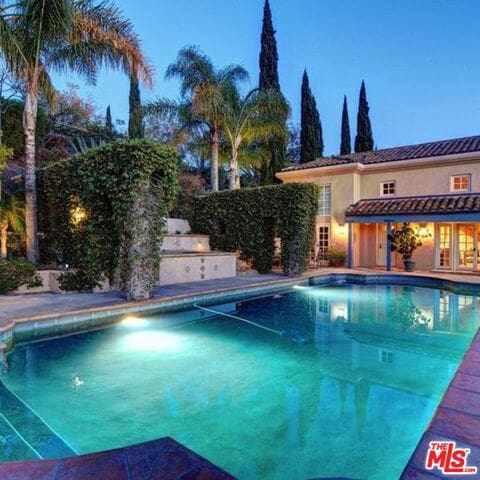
423	230
341	229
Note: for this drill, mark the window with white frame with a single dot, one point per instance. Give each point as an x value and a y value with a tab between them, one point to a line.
460	183
444	245
325	200
388	188
323	241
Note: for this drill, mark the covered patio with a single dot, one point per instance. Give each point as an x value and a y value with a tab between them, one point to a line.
449	225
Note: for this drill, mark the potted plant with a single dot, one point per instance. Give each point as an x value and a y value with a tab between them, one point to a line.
336	257
405	241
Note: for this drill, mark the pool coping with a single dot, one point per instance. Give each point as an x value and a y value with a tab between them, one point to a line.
91	318
457	417
162	459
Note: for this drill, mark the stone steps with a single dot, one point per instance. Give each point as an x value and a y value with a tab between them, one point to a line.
183	267
186	243
187	257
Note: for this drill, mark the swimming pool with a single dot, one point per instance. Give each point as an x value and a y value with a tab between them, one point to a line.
308	382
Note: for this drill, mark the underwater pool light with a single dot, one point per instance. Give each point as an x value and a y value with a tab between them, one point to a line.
152	340
133	322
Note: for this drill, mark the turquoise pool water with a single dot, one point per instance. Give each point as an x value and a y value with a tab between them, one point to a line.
310	382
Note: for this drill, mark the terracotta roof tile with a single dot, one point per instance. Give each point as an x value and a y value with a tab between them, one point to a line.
429	204
409	152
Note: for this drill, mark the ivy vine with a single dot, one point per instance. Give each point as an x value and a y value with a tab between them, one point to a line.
248	220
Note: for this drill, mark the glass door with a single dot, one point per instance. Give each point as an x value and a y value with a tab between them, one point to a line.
444	246
467	246
381	257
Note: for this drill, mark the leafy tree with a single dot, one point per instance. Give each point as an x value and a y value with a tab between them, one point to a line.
256	117
75	123
12	126
311	141
345	146
42	36
269	80
10	89
201	104
135	119
364	138
12	215
293	146
70	110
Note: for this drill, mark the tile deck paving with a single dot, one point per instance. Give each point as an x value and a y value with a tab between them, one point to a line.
457	418
163	459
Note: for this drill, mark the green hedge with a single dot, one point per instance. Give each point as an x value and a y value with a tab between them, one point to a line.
125	189
15	273
248	220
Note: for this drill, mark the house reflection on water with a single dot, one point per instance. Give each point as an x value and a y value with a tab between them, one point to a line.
394	336
397	337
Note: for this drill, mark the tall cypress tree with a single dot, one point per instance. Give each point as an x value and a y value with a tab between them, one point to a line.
135	120
108	121
364	138
311	141
268	53
346	144
268	79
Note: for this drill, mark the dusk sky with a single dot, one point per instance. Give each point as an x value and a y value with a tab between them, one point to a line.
420	58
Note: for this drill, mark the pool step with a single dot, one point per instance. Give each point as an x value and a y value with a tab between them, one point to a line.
31	428
12	446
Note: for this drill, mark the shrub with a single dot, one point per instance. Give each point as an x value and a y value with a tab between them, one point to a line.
190	186
124	190
15	273
78	281
249	219
336	257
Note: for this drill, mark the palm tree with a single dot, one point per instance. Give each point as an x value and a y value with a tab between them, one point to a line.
12	215
38	37
201	104
257	117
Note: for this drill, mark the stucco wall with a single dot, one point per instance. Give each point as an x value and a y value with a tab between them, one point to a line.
412	178
434	180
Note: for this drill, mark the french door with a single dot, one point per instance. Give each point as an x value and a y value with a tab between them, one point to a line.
468	242
381	254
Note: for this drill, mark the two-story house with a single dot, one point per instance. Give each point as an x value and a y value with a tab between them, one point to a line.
433	186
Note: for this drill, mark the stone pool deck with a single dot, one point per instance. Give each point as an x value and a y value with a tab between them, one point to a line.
39	306
163	459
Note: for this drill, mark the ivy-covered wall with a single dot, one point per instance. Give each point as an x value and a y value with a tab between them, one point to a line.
109	206
248	220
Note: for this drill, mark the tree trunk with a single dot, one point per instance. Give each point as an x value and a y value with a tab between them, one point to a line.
234	179
29	126
3	239
214	161
143	249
